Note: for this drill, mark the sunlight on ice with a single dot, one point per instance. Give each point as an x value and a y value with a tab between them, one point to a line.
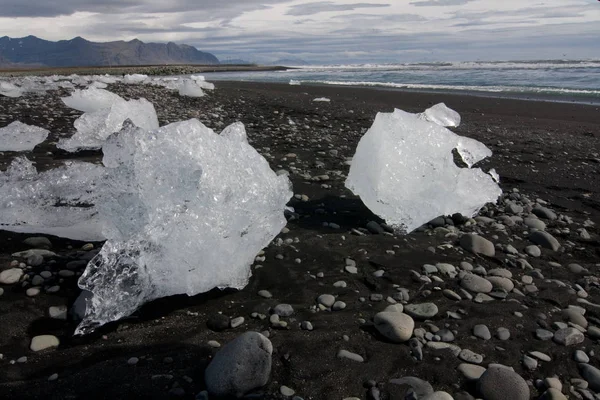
18	136
90	100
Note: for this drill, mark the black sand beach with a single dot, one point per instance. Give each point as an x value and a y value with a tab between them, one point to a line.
546	150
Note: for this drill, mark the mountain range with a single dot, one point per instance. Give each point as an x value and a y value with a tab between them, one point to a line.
79	52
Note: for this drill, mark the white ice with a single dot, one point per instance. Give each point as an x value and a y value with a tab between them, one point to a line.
190	88
18	136
322	99
404	171
94	127
185	210
135	78
56	202
90	100
294	83
442	115
201	81
9	89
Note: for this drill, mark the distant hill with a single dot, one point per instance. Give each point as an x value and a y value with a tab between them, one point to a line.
289	61
83	53
235	61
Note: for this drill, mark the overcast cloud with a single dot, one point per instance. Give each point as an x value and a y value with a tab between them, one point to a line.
333	31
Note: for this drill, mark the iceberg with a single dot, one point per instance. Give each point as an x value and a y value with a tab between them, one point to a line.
94	127
404	171
190	88
442	115
91	99
18	136
56	202
184	210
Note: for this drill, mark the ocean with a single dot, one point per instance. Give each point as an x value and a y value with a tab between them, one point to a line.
554	80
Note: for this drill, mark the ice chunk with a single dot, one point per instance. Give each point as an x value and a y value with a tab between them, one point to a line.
56	202
404	171
190	88
98	85
185	210
135	78
442	115
90	100
322	99
235	132
201	81
21	137
94	127
9	89
295	83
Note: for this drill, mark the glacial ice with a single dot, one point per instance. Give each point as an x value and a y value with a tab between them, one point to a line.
201	81
18	136
91	99
8	89
190	88
53	202
442	115
404	171
135	79
295	83
185	210
94	127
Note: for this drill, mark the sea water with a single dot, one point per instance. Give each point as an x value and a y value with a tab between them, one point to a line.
557	80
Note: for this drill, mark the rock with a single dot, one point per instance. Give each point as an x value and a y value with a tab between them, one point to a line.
338	306
439	396
543	334
43	342
350	356
11	276
477	245
452	295
545	240
421	311
568	336
482	332
326	300
580	357
38	242
471	357
420	387
533	251
501	384
529	363
535	223
265	294
395	326
500	282
80	305
29	253
574	316
283	310
545	213
471	372
503	334
375	228
218	323
240	366
591	375
286	391
553	394
476	284
35	260
235	322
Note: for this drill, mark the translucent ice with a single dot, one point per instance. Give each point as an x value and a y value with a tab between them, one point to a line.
442	115
94	127
185	210
201	81
9	89
190	88
56	202
404	171
135	78
21	137
90	100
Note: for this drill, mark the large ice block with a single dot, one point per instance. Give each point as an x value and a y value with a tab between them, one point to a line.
18	136
94	127
190	88
9	89
185	210
404	171
91	99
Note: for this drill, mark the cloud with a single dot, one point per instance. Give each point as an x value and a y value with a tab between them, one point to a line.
329	6
432	3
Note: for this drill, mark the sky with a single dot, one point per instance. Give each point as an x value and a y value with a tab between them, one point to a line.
326	32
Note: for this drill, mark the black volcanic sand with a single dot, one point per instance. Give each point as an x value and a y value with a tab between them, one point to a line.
547	151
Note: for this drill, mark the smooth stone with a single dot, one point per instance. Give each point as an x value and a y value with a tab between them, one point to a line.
326	300
43	342
574	316
553	382
286	391
39	252
395	326
421	311
451	295
235	322
443	346
533	251
502	384
476	283
477	245
438	396
580	357
394	308
35	260
568	336
543	212
283	310
11	276
265	294
503	272
503	334
32	292
545	240
338	306
529	362
350	356
591	374
242	365
218	323
553	394
471	372
420	387
482	332
544	334
540	356
471	357
500	282
38	242
535	223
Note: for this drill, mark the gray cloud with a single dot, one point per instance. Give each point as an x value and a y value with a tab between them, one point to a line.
329	6
430	3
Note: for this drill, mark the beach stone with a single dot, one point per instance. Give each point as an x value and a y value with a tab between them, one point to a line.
438	396
283	310
540	356
32	292
568	336
501	384
218	323
443	346
545	213
580	357
350	356
286	391
394	308
420	387
421	311
338	306
544	334
471	372
591	374
545	240
395	326
326	300
503	334
553	394
500	282
265	294
471	357
477	245
482	332
535	223
11	276
235	322
240	366
574	316
476	284
529	363
35	260
452	295
533	251
38	242
42	342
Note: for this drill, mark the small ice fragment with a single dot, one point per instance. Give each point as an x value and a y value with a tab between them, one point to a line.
134	79
94	127
494	175
442	115
323	99
18	136
295	83
98	85
10	90
185	210
190	88
404	171
90	100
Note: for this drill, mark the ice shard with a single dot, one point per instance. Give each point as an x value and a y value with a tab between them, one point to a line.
90	100
185	210
404	171
442	115
9	89
190	88
18	136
